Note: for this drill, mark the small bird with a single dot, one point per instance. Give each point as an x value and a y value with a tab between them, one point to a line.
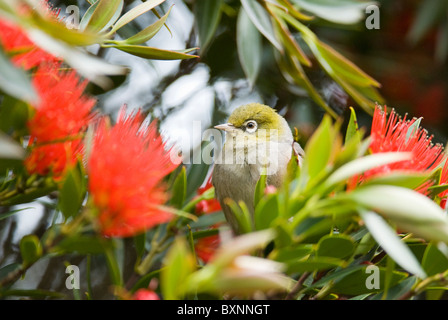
258	141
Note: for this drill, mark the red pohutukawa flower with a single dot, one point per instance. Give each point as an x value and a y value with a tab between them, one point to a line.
395	134
61	116
206	247
126	167
24	52
207	206
145	294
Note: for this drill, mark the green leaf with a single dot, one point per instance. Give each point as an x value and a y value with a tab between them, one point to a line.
207	14
149	32
337	275
352	128
86	17
389	241
14	114
13	212
208	220
71	192
82	244
178	265
352	149
312	229
291	253
112	258
242	215
318	150
340	12
155	53
355	283
435	190
337	65
30	249
266	212
135	12
434	261
9	268
360	165
139	243
412	130
15	82
89	66
179	189
32	293
59	31
293	72
104	11
410	180
312	264
249	47
410	210
29	195
396	289
287	39
402	204
260	18
336	246
366	244
259	189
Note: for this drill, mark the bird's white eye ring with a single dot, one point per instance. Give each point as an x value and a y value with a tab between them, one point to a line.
251	126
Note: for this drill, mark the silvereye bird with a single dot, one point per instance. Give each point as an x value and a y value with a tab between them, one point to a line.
258	141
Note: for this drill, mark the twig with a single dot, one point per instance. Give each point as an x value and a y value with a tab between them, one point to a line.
299	284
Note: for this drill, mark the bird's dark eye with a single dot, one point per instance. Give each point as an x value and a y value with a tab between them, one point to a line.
251	126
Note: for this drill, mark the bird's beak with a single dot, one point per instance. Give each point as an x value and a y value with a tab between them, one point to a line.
225	127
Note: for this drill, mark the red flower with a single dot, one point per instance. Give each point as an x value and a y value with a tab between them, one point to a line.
25	53
53	158
126	167
63	110
62	114
207	206
206	247
394	134
145	294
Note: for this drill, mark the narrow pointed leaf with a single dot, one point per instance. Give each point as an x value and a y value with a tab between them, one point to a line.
104	11
352	128
155	53
261	20
365	163
410	210
318	150
389	241
149	32
179	189
249	47
135	12
207	14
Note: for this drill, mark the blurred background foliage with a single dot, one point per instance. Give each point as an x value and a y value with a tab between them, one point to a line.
305	63
405	59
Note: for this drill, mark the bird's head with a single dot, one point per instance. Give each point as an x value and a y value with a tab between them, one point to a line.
256	121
